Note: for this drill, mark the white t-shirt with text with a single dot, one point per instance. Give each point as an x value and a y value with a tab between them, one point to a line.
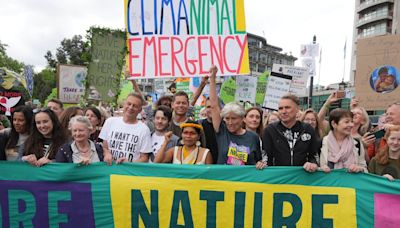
126	140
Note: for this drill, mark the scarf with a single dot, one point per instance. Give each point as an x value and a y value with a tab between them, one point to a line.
341	156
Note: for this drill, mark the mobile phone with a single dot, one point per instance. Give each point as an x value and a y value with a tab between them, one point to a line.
340	94
379	134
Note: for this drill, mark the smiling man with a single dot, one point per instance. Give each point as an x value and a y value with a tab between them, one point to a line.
289	142
125	138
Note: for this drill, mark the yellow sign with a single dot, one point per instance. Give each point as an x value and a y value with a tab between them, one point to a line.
168	202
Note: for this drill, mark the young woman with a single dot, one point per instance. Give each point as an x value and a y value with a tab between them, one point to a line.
81	150
190	152
252	120
44	140
94	116
270	118
387	160
311	117
15	136
339	149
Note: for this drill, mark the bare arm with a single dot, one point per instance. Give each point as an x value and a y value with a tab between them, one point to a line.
144	157
198	91
106	153
215	109
325	108
209	159
162	153
137	90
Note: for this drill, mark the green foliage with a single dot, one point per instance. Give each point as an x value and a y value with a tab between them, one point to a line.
73	51
8	62
44	82
52	95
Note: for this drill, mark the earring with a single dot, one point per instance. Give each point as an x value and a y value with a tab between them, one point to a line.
198	143
182	142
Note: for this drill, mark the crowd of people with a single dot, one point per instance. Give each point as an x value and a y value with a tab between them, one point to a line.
229	134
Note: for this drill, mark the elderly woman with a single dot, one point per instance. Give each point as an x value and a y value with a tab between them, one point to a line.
236	146
190	152
81	150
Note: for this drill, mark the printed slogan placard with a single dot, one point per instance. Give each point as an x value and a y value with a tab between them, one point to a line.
166	195
183	38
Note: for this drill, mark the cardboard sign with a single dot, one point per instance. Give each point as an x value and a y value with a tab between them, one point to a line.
246	88
71	86
377	77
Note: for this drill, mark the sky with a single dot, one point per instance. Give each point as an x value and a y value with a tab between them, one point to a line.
31	27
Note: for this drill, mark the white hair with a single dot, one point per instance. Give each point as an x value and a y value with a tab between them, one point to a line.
233	107
80	119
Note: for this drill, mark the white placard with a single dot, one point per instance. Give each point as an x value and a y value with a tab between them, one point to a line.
278	85
71	83
246	88
309	50
310	64
299	77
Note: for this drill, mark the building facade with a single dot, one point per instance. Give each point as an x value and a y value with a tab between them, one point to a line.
263	55
373	18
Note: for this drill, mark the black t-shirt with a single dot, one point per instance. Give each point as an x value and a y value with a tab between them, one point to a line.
211	139
46	146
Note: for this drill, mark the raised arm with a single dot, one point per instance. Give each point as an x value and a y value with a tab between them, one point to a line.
325	109
215	109
198	91
164	155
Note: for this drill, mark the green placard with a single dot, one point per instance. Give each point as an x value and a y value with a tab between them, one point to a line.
261	87
228	89
108	52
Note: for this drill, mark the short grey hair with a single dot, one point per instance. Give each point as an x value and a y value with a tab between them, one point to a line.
80	119
233	107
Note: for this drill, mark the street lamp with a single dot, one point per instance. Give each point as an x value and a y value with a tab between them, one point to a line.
311	79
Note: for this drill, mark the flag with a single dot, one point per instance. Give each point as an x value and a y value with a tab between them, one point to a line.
28	71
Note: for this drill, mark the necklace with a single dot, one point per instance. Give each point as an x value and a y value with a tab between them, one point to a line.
82	150
189	153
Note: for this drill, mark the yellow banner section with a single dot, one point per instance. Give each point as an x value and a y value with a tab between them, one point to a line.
168	202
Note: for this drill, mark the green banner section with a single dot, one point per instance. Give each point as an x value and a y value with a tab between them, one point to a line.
108	52
165	195
261	87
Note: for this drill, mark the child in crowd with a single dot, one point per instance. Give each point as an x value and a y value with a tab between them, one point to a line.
387	160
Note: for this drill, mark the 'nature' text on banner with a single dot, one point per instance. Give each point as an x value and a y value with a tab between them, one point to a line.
183	38
165	195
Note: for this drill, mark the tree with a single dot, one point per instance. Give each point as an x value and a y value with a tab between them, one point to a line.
44	82
8	62
72	51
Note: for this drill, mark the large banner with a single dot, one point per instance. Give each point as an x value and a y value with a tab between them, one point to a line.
183	38
378	77
108	52
165	195
71	83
